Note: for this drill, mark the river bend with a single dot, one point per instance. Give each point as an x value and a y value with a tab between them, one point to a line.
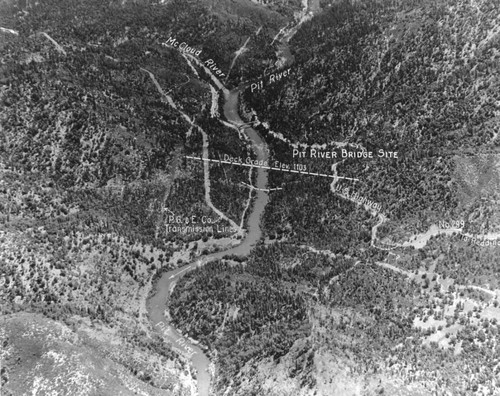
157	305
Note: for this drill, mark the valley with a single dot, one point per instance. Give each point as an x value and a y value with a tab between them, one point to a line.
249	198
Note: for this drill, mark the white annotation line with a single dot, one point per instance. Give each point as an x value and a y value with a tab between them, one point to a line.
261	189
270	168
180	272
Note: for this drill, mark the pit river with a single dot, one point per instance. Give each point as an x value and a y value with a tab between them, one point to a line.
157	304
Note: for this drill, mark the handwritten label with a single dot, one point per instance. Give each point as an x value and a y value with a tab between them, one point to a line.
172	42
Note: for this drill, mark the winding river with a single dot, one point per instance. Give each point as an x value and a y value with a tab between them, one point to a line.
157	304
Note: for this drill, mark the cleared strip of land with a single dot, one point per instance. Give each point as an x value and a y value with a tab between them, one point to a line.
271	168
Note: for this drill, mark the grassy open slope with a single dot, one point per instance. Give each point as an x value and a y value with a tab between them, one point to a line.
43	356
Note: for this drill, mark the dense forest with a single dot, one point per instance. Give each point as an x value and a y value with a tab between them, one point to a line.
419	80
248	311
92	163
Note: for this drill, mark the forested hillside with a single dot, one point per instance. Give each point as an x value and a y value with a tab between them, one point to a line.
419	79
247	312
349	325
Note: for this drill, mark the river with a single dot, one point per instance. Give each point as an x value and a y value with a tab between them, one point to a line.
157	304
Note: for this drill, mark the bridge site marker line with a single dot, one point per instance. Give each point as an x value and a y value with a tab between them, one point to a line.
261	189
271	168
